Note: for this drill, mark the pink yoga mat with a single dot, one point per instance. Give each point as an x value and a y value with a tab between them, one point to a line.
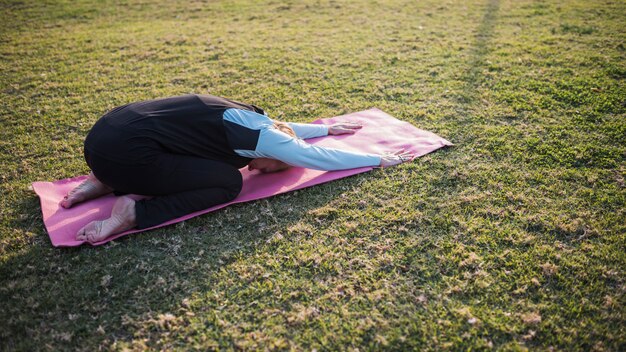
380	133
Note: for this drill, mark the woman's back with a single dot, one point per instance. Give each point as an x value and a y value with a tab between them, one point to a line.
188	124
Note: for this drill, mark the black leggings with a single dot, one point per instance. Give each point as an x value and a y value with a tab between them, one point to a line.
179	184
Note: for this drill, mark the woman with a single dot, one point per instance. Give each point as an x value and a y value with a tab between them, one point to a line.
186	153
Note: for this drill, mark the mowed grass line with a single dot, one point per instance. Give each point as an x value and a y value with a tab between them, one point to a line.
514	239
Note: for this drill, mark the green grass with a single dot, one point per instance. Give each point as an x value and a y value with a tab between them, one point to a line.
514	239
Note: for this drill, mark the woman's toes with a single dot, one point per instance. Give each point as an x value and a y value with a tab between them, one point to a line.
73	197
96	234
91	232
80	235
122	219
90	188
66	203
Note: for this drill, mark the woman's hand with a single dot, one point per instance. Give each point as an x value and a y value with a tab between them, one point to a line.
343	128
399	157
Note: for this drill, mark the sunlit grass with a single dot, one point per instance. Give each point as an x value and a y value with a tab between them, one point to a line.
513	239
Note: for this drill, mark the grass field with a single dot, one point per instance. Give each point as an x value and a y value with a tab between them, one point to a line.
513	239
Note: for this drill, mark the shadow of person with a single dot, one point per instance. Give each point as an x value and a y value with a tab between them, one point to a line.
77	292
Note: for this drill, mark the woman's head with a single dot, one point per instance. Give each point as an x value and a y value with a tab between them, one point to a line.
266	165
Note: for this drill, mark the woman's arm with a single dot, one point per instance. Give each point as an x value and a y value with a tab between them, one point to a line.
277	145
311	130
308	130
253	120
296	152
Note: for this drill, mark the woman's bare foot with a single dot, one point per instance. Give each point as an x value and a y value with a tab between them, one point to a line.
122	219
89	189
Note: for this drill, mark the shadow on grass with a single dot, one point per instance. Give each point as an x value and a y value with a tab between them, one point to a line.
473	77
53	298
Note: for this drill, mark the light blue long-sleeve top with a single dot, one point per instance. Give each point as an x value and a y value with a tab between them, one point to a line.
278	145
